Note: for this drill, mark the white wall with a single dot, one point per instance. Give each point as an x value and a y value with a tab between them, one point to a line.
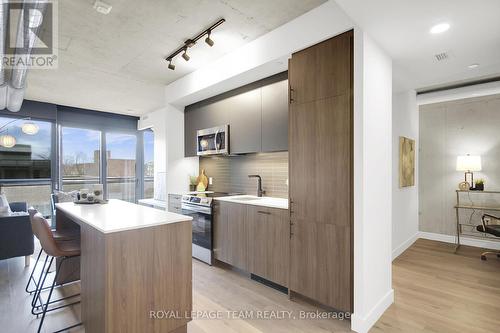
172	170
404	200
449	129
373	292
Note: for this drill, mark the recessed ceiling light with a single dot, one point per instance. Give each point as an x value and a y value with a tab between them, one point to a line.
439	28
472	66
102	7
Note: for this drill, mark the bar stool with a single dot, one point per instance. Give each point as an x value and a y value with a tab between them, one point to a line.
53	249
70	235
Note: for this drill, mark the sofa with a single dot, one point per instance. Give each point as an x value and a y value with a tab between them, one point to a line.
16	237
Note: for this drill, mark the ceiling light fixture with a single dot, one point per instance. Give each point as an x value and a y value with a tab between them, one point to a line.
440	28
472	66
185	55
102	7
191	42
209	40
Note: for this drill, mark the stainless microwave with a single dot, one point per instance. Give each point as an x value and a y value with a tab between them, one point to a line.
213	141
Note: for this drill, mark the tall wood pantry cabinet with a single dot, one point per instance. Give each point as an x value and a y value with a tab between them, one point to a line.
321	172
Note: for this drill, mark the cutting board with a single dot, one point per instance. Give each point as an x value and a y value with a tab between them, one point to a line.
202	178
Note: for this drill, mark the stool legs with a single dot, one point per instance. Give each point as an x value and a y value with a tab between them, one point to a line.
46	305
31	278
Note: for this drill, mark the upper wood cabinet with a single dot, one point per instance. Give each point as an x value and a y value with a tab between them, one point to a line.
275	117
245	122
321	144
321	71
257	115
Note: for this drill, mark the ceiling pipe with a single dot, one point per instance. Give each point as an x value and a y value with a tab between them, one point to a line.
4	19
16	89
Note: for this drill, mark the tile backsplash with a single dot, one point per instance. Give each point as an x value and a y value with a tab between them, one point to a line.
230	173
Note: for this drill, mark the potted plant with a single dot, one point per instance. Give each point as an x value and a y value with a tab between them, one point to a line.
479	185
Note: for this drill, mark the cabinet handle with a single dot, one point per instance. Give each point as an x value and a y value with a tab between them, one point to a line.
262	212
291	94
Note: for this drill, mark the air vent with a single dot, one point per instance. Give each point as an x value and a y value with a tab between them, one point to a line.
442	56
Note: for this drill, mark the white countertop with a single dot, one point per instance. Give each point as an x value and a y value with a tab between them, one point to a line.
153	202
257	201
118	215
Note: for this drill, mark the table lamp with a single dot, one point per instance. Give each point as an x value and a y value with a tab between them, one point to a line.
469	164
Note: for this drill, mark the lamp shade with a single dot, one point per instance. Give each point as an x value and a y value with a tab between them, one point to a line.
469	163
7	141
30	128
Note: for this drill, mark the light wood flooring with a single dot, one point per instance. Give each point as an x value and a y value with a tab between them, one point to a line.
435	291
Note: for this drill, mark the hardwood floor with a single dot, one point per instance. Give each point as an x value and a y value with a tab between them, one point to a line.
438	291
435	291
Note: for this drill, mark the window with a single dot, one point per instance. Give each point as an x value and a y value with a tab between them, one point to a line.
29	158
148	164
25	168
120	161
80	163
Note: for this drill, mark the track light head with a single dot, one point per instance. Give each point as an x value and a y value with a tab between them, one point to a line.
170	64
208	40
185	55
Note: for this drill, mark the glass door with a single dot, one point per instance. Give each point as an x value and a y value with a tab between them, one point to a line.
121	166
81	153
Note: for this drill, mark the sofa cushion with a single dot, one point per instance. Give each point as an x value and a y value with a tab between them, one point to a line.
4	206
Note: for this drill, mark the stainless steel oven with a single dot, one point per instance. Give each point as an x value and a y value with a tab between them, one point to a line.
202	230
213	141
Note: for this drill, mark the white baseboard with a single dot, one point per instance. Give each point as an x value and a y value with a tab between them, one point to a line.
362	324
406	244
483	243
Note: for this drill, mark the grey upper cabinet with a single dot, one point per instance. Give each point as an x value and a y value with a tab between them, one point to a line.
245	122
198	117
275	117
257	115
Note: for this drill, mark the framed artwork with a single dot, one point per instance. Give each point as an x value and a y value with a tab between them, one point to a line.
406	162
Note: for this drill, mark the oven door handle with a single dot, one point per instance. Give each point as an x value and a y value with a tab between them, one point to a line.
197	209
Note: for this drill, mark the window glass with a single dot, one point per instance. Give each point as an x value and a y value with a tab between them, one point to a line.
148	164
80	164
24	155
120	158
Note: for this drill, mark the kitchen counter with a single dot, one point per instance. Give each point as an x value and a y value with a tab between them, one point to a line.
118	215
134	259
270	202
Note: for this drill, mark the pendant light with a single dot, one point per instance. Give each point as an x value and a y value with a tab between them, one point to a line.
7	141
30	128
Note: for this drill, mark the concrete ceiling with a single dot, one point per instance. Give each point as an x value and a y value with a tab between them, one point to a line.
115	63
401	27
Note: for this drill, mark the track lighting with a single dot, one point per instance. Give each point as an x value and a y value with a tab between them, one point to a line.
185	55
191	42
208	40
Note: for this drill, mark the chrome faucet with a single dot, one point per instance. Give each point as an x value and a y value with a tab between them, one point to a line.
260	192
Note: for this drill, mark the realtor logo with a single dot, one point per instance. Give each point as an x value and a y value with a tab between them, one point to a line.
30	33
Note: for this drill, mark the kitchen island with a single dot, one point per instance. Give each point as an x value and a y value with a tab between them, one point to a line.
135	262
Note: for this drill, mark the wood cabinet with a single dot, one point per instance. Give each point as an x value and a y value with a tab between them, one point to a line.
230	234
275	117
321	144
245	122
257	115
269	243
254	239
